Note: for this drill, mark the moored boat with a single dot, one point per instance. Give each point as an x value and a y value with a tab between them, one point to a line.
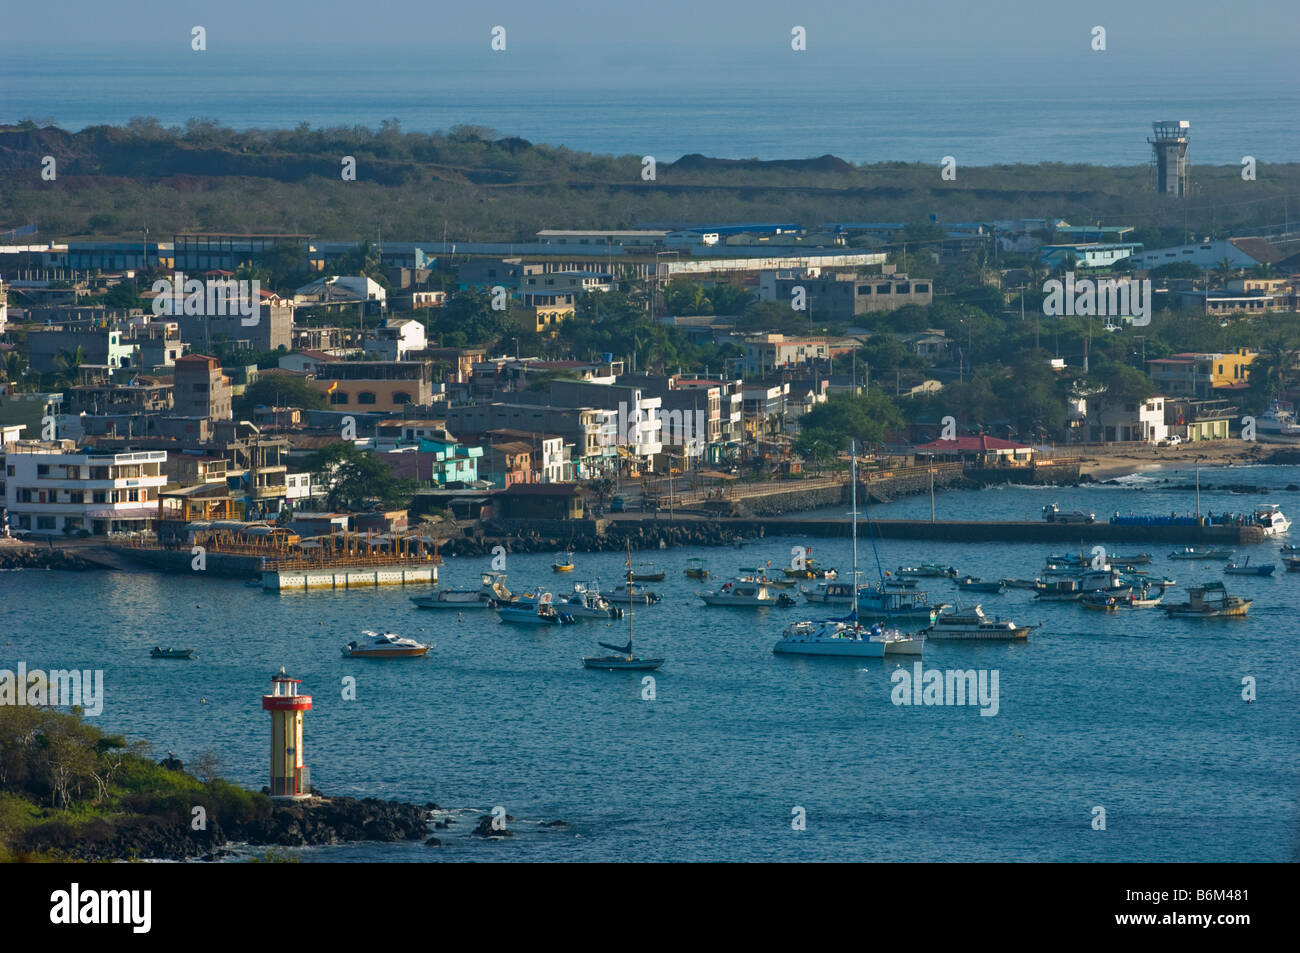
630	590
695	568
975	584
927	570
587	603
1022	583
563	562
1197	552
830	593
974	624
1210	601
534	610
384	645
455	599
1099	602
1246	569
183	654
746	595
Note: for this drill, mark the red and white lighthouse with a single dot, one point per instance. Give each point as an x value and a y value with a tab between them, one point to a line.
290	778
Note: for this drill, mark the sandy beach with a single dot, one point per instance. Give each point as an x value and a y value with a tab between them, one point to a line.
1107	463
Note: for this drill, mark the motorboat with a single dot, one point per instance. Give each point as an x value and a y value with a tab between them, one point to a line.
1292	563
1073	588
746	595
1022	583
1139	559
695	568
975	584
974	624
1246	569
1269	518
1277	421
587	603
183	654
927	570
456	599
1144	600
829	593
896	606
1197	552
630	590
829	637
563	562
534	610
384	645
1209	601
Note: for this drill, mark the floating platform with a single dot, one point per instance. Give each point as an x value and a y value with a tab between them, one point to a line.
305	580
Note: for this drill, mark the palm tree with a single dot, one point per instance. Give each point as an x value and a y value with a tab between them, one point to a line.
1223	271
66	363
11	370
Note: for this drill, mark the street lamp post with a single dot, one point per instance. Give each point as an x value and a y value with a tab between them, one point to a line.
931	487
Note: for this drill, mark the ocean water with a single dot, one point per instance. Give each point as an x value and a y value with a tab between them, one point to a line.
733	103
1132	712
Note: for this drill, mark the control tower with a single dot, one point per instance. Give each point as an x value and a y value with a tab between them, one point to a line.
1169	156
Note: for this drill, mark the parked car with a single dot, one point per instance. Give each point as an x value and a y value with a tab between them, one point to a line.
1054	514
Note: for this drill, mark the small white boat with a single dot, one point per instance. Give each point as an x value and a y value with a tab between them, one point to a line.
829	637
974	624
630	590
587	603
455	599
384	645
745	595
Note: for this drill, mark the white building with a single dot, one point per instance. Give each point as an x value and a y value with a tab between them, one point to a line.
1239	252
394	339
48	492
1125	421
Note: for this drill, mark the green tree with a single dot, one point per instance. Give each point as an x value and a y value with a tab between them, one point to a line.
865	417
357	479
280	390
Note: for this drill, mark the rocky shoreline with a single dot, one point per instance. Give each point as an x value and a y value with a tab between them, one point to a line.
36	557
171	835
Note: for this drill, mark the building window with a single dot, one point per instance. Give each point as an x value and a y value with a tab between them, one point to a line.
45	522
366	397
338	397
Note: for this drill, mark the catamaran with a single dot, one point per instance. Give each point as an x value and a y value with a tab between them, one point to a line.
848	637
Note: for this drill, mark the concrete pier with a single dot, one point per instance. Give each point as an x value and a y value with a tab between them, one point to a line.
304	580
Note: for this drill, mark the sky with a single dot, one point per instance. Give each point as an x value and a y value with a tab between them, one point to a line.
1194	32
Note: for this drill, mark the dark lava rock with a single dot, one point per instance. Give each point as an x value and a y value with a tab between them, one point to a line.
433	842
485	828
555	823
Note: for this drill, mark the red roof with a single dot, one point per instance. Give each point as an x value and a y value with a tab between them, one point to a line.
971	445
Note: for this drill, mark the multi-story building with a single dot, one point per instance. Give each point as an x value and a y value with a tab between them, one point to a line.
50	491
376	385
201	389
394	339
842	295
1198	375
767	352
1124	421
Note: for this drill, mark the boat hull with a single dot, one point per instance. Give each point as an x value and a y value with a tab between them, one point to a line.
623	665
386	653
842	648
1004	635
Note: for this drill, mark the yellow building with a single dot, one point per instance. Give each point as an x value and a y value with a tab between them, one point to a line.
543	313
1199	375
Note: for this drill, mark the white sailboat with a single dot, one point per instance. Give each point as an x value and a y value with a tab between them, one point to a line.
847	637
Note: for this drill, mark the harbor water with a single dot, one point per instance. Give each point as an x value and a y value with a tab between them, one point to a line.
1131	712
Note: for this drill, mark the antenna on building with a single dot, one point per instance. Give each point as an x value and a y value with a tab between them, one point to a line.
1169	156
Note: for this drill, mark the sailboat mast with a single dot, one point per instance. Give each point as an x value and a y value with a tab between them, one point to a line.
853	481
